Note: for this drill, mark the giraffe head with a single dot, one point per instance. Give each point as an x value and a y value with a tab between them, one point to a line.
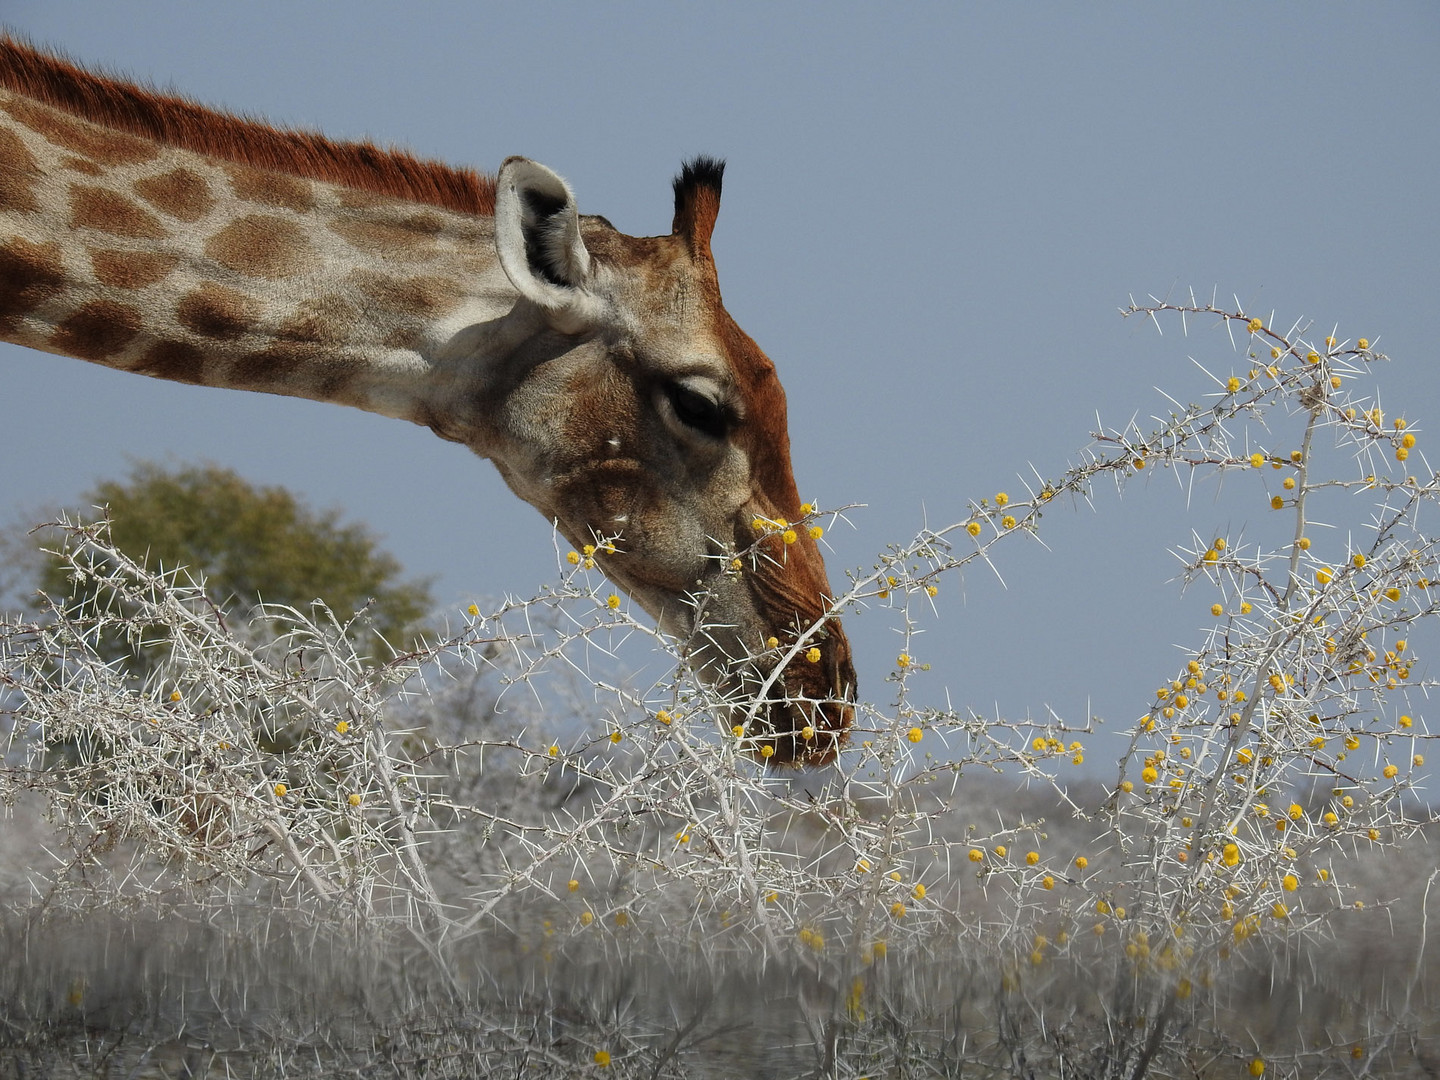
599	371
634	409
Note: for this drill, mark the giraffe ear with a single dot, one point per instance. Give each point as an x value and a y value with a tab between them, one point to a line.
537	235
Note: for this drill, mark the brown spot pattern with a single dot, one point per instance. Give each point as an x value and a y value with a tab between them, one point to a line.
29	275
214	311
173	360
262	245
98	208
423	295
96	143
182	193
81	165
425	223
18	170
393	239
274	366
131	269
358	199
97	330
325	320
271	188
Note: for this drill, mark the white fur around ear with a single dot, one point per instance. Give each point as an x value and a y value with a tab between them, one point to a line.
537	235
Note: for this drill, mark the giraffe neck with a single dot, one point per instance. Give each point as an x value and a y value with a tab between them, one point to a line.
162	260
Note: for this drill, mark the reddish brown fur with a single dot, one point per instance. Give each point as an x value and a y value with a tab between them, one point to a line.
175	121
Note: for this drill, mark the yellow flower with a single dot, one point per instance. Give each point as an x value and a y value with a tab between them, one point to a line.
1275	352
280	790
806	508
1149	775
1245	607
613	603
897	909
767	751
1081	862
915	734
903	660
573	885
807	733
812	654
1001	499
1276	502
976	855
1363	343
1007	522
1359	560
816	532
1256	460
664	717
1334	382
1000	850
342	726
1031	858
1390	771
1231	855
573	558
554	750
1323	575
1047	882
354	798
602	1058
1418	760
1392	594
1233	384
1405	721
973	528
473	609
616	736
1216	610
789	536
918	892
1139	463
586	918
1256	325
1352	742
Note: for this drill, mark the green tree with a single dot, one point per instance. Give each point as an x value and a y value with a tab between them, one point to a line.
253	545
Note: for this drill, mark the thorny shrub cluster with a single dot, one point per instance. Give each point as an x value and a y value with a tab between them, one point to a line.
510	774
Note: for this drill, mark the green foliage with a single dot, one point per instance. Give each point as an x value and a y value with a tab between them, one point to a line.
253	545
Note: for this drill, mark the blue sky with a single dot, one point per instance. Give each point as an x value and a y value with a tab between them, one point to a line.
931	215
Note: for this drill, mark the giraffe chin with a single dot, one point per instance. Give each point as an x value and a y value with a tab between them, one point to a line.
805	714
800	716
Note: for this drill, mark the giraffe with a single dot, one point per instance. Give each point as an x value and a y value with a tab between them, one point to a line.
598	371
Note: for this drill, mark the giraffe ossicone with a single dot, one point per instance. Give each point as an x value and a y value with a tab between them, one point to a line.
599	371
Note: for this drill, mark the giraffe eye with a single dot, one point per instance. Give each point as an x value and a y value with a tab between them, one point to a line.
696	411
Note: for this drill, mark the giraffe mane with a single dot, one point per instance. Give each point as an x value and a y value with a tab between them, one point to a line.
176	121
